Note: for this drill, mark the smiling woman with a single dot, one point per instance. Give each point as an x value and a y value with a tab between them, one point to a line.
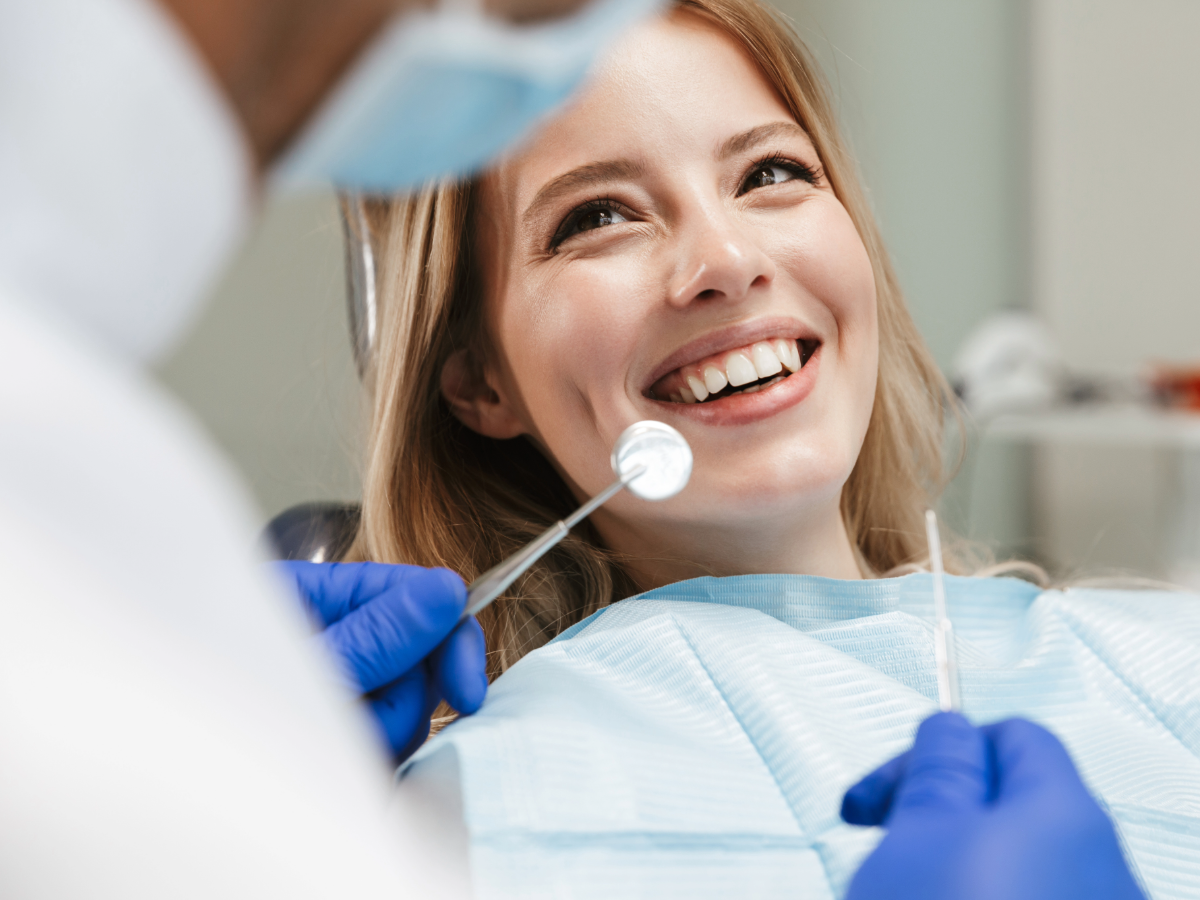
686	242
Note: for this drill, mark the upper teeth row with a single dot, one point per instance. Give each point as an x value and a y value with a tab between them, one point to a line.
761	360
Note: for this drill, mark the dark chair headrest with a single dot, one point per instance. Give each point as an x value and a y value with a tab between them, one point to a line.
316	532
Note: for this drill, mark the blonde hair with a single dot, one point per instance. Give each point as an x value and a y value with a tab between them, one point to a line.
438	494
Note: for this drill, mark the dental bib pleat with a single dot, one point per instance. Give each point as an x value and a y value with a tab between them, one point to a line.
695	741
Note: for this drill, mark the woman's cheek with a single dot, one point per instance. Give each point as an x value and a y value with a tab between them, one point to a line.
569	340
830	260
598	313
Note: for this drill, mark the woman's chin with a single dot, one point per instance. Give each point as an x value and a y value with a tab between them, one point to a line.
753	495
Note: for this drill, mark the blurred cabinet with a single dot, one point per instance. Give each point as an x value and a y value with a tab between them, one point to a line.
1116	489
1114	186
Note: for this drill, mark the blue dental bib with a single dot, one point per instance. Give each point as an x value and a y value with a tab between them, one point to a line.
695	740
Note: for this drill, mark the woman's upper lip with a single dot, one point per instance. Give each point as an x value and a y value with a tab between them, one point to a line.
730	338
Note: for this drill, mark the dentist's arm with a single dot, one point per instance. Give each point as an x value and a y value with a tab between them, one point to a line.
394	632
991	813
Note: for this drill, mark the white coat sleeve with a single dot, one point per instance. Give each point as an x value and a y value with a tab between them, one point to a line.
166	727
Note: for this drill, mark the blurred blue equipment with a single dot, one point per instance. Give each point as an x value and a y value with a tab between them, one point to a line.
442	94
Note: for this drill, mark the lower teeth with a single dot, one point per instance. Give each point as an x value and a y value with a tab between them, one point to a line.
755	388
752	389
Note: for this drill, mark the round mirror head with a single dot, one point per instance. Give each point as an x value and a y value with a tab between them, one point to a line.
662	450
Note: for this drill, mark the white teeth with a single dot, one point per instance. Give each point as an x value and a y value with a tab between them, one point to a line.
739	369
762	360
766	363
755	388
789	354
714	379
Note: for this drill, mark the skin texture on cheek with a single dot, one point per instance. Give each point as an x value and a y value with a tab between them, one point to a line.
568	332
847	282
552	382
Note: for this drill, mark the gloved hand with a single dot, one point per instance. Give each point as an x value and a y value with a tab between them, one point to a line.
991	813
394	632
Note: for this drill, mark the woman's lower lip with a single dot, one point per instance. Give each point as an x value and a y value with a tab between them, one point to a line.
742	409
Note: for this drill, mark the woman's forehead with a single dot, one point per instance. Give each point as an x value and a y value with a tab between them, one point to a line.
675	87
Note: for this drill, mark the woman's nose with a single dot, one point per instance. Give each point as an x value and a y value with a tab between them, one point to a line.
718	262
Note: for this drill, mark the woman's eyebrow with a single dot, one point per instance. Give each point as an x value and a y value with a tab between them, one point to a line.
740	143
585	176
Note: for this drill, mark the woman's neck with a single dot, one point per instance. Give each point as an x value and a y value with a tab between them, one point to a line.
656	554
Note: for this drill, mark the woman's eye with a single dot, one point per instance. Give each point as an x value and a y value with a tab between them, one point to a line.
598	218
766	175
588	218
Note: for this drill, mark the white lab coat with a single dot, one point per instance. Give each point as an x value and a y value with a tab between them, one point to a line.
167	726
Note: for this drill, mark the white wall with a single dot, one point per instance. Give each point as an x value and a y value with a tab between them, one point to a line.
268	369
1115	183
932	95
1116	179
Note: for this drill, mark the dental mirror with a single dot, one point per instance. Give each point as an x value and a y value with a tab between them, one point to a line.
651	459
662	451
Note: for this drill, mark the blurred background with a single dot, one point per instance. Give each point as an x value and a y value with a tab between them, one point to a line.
1028	159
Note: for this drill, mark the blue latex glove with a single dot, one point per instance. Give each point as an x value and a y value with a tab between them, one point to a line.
991	813
394	632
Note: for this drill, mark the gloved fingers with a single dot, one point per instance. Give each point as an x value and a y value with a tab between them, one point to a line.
459	667
1031	760
387	636
948	769
432	699
869	801
1036	780
332	590
401	710
318	586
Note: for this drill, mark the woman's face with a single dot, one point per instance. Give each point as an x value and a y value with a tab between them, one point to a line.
668	248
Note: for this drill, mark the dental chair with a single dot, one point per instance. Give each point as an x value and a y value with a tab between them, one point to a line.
323	531
314	532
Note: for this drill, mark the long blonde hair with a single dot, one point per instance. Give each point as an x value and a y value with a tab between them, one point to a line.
436	493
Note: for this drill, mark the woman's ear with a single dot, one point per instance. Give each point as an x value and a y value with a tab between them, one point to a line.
476	403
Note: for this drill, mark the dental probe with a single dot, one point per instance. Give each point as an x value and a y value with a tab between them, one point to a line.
650	458
949	698
492	583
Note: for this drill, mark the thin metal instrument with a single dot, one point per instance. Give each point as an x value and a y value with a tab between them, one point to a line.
949	698
650	458
492	583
